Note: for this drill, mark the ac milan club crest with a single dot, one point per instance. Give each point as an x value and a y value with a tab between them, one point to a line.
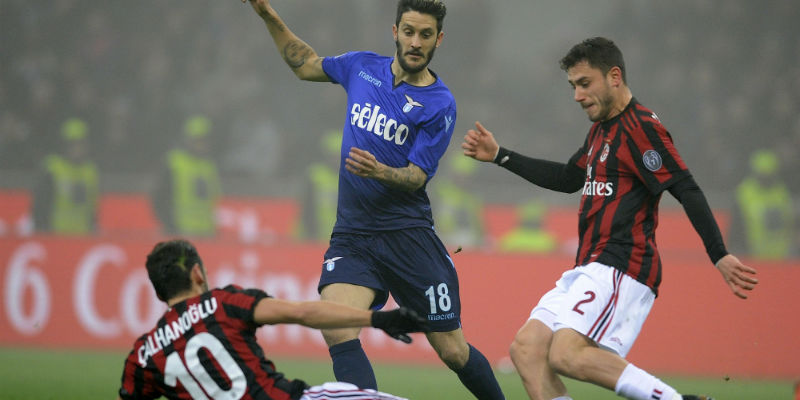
604	154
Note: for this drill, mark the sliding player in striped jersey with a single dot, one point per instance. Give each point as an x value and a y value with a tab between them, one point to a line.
584	327
204	346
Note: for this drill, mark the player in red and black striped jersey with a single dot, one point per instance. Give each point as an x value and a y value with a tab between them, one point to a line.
204	346
586	325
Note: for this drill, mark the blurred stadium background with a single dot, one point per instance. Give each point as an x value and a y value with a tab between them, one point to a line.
723	76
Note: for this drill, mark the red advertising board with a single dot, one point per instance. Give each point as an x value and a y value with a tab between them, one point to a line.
94	293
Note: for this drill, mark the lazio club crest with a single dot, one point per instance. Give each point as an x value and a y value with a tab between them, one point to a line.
410	104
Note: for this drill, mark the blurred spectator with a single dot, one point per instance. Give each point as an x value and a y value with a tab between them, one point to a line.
67	60
189	189
65	197
16	141
764	222
457	211
529	236
318	202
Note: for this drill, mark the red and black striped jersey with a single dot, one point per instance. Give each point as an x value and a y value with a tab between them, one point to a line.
629	161
205	347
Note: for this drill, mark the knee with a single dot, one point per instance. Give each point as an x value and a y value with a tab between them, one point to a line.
527	348
454	355
521	351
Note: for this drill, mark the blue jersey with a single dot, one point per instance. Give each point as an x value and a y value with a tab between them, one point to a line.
397	125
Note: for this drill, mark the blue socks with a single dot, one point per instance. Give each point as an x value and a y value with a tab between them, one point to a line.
350	364
478	377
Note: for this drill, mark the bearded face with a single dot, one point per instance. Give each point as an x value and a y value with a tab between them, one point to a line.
413	60
416	39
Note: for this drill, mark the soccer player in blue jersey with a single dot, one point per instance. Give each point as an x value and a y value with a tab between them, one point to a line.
585	326
399	121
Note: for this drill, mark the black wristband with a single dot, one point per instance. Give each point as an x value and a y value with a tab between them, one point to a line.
502	157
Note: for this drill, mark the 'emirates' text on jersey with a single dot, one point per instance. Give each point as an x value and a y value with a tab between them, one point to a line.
629	161
397	125
205	347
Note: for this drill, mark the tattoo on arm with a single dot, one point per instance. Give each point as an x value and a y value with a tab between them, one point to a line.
407	179
295	53
275	22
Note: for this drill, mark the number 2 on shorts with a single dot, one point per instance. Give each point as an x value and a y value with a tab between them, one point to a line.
588	299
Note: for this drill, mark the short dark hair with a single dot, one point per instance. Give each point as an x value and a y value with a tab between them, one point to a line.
169	266
436	8
599	52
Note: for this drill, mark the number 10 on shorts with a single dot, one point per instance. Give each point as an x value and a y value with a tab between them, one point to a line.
444	298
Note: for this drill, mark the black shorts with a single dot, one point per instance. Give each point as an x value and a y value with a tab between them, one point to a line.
412	264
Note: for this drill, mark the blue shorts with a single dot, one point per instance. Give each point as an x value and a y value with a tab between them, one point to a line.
411	264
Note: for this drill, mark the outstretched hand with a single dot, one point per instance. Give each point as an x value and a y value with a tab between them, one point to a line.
399	322
479	144
260	6
737	275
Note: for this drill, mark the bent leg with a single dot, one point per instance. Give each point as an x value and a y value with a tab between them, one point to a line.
350	362
574	355
529	352
467	362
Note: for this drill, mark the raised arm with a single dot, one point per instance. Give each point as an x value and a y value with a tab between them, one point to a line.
301	58
323	314
479	143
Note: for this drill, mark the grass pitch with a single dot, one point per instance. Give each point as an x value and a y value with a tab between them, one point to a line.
37	374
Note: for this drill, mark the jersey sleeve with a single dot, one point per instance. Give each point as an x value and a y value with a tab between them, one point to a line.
433	139
578	159
654	158
137	382
239	303
337	68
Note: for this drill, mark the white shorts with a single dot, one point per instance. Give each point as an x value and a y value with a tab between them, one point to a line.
343	390
600	302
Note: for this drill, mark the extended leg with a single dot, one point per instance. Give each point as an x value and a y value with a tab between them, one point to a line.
529	352
467	362
350	362
574	355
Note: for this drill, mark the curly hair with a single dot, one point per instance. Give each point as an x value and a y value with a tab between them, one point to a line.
436	8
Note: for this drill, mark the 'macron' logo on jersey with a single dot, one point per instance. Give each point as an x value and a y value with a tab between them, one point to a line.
371	118
594	188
